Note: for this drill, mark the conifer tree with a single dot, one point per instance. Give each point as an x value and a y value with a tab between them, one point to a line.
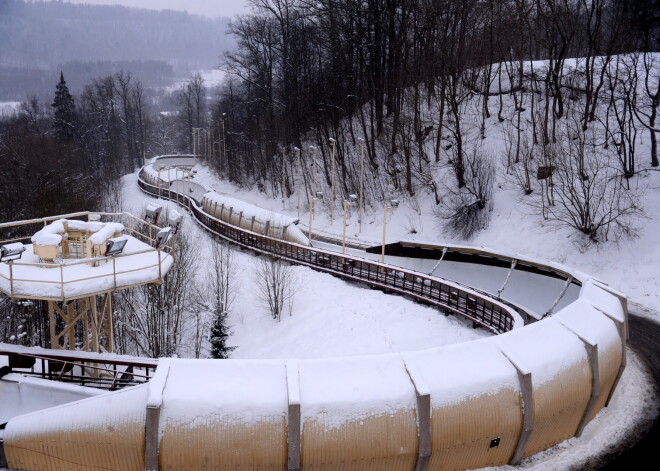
219	334
64	111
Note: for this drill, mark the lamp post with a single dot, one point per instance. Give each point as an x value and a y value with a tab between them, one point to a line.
361	216
351	201
393	204
312	199
160	167
224	147
297	182
283	179
313	148
333	143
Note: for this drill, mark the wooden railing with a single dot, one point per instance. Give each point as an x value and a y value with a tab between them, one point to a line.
451	297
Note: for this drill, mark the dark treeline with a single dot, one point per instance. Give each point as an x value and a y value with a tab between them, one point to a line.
303	69
62	156
17	82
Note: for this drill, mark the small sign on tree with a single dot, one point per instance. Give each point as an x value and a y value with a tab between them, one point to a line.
544	172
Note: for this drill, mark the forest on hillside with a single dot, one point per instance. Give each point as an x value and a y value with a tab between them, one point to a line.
412	84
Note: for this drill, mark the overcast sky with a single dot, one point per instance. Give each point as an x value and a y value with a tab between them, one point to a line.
212	8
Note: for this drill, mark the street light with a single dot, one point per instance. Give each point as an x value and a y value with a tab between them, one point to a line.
283	180
393	204
312	199
333	143
361	216
298	179
351	201
314	167
224	146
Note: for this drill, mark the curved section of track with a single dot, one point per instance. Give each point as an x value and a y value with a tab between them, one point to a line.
484	403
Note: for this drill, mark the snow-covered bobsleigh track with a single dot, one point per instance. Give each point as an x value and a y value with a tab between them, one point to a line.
483	403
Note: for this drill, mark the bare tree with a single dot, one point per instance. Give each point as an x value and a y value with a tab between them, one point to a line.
645	106
153	317
597	205
276	284
467	209
222	287
222	283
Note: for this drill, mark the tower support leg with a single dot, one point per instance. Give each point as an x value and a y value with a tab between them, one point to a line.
84	323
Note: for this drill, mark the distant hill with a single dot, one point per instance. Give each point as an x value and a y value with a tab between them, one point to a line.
46	34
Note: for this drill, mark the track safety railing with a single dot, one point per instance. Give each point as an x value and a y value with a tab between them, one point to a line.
452	298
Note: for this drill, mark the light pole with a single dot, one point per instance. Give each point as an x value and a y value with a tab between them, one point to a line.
312	199
361	185
351	201
315	150
297	182
283	179
224	147
160	167
333	143
393	204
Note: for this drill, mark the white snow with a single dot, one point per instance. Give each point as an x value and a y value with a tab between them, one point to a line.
190	399
338	390
545	349
23	394
139	263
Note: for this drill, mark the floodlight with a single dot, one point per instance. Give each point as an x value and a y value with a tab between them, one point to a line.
174	219
153	212
13	251
163	237
352	198
394	203
319	194
115	246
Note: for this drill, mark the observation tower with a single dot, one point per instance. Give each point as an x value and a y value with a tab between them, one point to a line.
75	262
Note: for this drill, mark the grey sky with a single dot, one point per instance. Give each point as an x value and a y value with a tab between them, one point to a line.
212	8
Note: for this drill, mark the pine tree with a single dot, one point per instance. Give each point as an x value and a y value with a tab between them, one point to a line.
219	334
64	111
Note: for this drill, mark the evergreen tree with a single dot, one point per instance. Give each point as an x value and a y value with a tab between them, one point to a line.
64	111
219	334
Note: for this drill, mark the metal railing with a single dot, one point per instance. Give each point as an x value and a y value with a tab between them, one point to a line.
483	311
82	368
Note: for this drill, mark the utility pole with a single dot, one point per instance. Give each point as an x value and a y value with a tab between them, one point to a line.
298	178
361	216
283	179
333	143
